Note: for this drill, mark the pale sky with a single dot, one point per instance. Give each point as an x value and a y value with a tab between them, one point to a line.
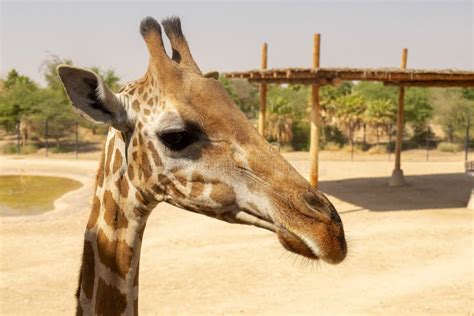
228	35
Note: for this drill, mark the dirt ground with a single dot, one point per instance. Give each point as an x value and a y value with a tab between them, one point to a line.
410	249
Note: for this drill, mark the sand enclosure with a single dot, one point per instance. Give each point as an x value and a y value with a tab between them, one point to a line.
410	250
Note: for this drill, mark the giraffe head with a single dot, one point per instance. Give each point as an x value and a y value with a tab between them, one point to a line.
189	145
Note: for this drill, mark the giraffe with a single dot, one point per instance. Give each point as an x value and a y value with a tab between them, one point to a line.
175	136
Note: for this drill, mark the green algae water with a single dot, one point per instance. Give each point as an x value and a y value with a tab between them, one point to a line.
30	195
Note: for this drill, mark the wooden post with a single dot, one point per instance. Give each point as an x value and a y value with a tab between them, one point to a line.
315	117
263	94
397	178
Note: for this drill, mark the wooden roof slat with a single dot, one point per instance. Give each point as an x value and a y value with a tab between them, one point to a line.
418	77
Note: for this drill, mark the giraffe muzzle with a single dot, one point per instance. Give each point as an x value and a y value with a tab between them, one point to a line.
312	228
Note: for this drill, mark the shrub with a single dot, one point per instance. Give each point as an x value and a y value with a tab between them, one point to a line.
333	134
301	134
332	146
375	150
357	148
9	149
62	149
448	147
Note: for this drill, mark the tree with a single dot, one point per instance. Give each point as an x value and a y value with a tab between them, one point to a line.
379	114
16	102
51	106
286	104
454	110
417	108
243	93
328	95
349	111
111	79
49	70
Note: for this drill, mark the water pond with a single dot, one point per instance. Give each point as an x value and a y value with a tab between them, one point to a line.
30	195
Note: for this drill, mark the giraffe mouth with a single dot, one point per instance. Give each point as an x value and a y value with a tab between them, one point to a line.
297	244
289	240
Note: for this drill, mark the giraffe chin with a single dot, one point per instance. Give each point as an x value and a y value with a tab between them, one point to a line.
295	244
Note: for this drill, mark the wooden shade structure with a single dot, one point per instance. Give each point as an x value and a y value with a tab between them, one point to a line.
319	76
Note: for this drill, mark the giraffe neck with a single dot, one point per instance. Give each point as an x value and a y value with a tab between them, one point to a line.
108	282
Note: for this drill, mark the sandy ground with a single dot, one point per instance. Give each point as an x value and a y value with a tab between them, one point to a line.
410	250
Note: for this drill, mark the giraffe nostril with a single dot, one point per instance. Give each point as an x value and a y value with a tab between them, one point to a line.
317	203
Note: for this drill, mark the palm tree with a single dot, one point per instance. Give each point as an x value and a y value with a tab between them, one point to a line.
280	129
349	111
379	114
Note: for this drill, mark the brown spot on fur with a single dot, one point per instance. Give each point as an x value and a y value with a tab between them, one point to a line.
140	125
197	184
110	148
154	154
145	95
140	89
146	112
117	161
113	215
131	172
134	142
145	166
223	193
100	173
140	139
116	254
122	184
150	101
136	106
88	265
110	301
94	213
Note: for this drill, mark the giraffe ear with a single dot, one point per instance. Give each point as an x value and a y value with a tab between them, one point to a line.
212	75
91	97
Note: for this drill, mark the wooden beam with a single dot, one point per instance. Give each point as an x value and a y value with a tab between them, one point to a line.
361	74
315	117
441	83
263	94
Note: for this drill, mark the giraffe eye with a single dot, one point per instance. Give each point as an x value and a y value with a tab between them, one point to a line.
177	140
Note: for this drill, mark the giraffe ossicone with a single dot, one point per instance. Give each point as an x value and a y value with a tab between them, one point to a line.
175	136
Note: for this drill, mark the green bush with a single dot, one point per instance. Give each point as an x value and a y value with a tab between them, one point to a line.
332	146
357	148
334	135
301	133
10	149
375	150
449	148
62	149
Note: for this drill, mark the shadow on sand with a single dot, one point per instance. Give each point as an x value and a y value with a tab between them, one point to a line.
450	190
